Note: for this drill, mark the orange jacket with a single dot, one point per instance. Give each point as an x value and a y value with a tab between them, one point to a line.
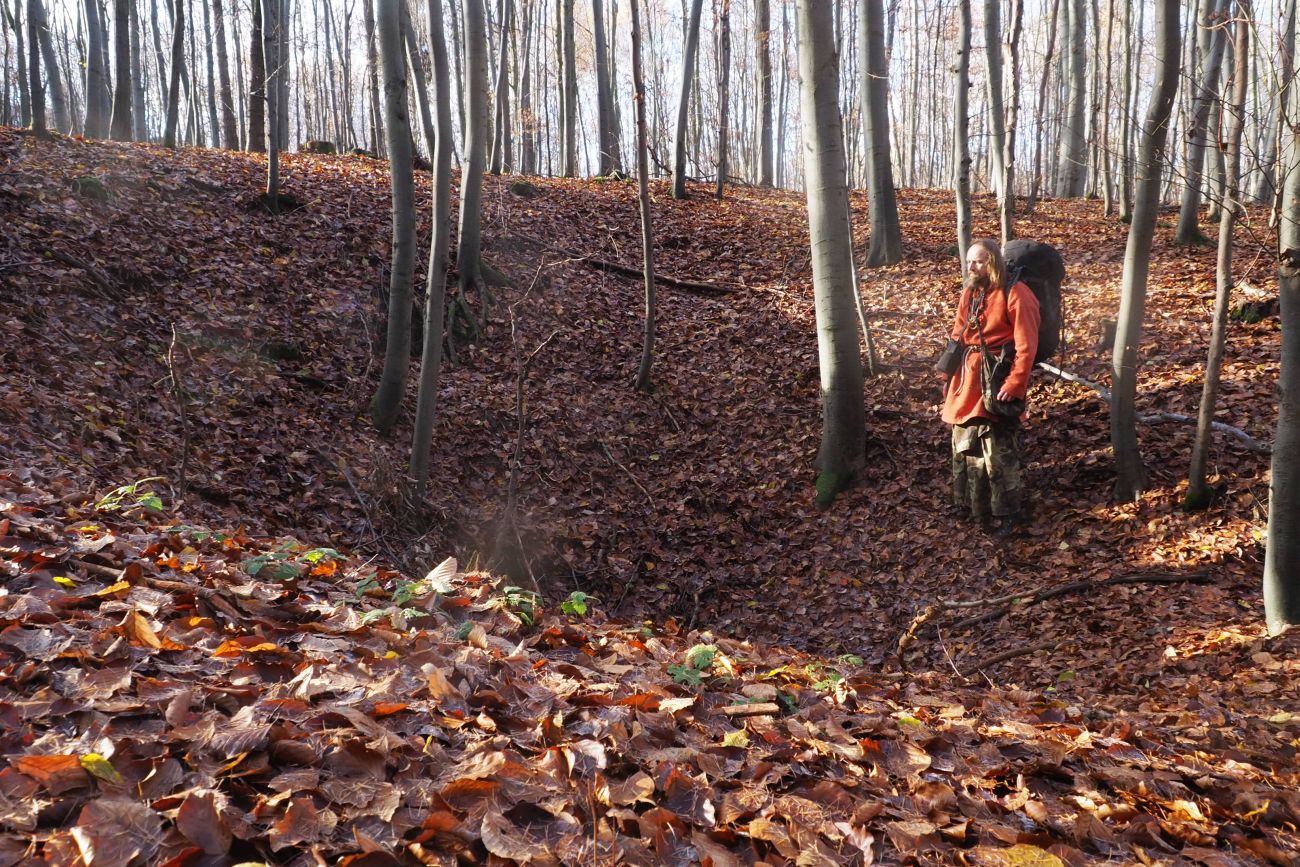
1007	317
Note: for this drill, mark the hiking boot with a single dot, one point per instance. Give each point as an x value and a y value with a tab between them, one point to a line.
1010	523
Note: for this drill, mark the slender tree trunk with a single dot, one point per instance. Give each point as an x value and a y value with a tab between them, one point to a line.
257	82
372	78
24	81
527	116
440	243
271	26
1042	109
763	48
139	105
230	130
501	104
684	103
1107	187
1007	205
1282	554
778	168
961	135
40	29
174	86
211	76
397	355
570	85
419	74
469	251
842	453
993	89
1189	229
643	381
1198	491
724	91
886	237
608	145
123	126
36	96
1130	476
281	77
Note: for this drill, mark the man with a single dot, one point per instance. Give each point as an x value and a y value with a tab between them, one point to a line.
995	335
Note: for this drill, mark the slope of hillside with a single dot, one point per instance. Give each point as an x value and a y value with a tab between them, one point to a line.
157	323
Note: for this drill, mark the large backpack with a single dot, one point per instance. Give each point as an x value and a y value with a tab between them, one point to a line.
1041	268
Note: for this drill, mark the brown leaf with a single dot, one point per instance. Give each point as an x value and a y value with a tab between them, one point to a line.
112	833
201	823
301	823
503	839
57	773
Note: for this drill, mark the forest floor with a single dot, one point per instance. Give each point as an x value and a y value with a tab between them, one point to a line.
1117	700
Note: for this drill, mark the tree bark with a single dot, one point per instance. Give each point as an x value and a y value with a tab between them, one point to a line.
1042	107
763	48
569	81
96	125
1130	478
993	91
257	80
1073	153
724	92
372	79
643	380
123	126
469	249
608	145
397	355
1007	202
961	135
1282	555
229	128
842	453
1213	41
426	407
501	127
39	31
886	246
36	95
527	115
684	101
24	81
420	75
1198	491
174	84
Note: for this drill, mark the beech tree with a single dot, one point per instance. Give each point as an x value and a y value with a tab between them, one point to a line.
684	101
643	381
960	143
1210	40
842	454
886	246
1130	475
439	244
174	79
123	126
469	257
1282	555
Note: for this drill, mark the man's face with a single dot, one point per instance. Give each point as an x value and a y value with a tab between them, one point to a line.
977	262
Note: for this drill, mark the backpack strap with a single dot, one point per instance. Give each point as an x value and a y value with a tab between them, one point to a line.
1014	279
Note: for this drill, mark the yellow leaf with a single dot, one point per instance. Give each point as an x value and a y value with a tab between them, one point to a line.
738	738
392	654
64	581
115	588
1020	855
99	767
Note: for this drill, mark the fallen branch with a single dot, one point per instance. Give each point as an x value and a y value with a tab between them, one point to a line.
1103	392
178	395
104	284
761	709
691	286
649	499
1016	652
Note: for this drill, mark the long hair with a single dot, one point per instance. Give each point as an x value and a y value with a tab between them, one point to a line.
997	264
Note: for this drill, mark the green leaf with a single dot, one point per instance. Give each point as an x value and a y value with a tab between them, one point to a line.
701	656
99	767
576	604
315	555
685	675
463	631
151	501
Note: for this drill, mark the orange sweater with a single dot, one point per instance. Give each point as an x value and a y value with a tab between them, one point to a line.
1007	317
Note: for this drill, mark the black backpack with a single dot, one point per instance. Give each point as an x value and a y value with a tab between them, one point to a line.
1040	267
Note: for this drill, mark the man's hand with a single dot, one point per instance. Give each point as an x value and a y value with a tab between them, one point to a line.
1005	395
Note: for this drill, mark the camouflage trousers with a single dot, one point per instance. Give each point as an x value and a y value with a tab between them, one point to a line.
986	467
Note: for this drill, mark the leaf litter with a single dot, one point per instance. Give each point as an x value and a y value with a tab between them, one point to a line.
262	700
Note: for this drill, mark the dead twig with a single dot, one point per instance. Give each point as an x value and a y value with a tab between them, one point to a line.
179	396
693	287
1016	652
107	287
614	461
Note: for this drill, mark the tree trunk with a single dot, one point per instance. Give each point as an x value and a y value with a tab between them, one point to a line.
24	81
1213	42
842	452
123	126
886	237
1282	555
501	126
174	85
36	95
763	48
993	90
1126	160
1198	491
724	91
684	102
608	145
420	74
1130	476
211	80
1007	203
372	79
257	80
97	118
230	129
397	354
527	115
281	77
1042	110
426	407
961	136
139	107
1073	153
643	382
271	26
469	251
569	81
40	29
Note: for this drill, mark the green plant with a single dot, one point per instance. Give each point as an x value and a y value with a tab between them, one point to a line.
522	603
129	497
577	604
287	562
699	659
